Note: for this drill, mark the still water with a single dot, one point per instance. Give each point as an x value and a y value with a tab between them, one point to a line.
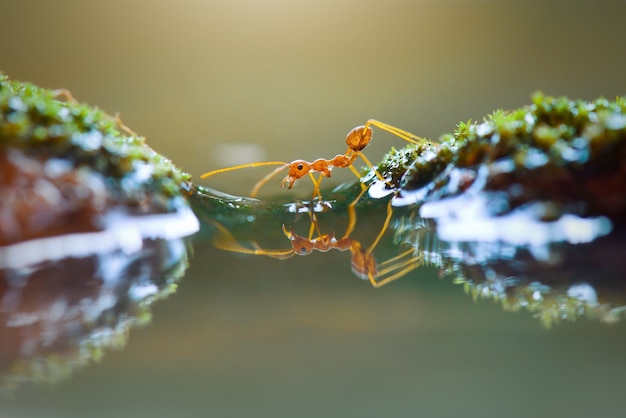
239	334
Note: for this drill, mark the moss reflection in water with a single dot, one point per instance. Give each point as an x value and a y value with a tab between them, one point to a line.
555	280
60	315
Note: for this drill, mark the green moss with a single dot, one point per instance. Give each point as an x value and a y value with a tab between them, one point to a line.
549	304
555	149
49	124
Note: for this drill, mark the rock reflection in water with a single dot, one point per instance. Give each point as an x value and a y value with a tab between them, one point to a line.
555	276
58	315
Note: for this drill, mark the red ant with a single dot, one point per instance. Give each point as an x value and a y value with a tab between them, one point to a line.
357	139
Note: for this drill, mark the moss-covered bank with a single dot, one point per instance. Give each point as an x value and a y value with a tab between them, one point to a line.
64	164
568	154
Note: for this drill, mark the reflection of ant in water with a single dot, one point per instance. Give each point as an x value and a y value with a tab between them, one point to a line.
357	139
363	262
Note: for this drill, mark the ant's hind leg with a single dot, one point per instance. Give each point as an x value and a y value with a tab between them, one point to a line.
383	229
364	188
397	266
407	136
401	268
371	166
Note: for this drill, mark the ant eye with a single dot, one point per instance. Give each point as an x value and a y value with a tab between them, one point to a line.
303	250
300	166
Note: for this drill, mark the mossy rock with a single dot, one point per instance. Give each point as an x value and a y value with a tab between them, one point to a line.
568	154
64	165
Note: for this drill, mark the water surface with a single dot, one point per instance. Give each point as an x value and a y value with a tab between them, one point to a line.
249	334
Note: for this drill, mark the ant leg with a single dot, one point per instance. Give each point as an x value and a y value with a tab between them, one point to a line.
407	136
260	183
316	186
352	212
314	226
393	264
352	206
237	167
64	94
371	166
312	229
226	241
405	267
382	265
355	171
122	126
383	229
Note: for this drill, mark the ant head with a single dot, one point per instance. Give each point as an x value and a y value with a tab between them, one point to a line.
300	245
297	170
359	137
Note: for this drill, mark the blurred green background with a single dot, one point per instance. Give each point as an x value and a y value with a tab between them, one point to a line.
213	83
